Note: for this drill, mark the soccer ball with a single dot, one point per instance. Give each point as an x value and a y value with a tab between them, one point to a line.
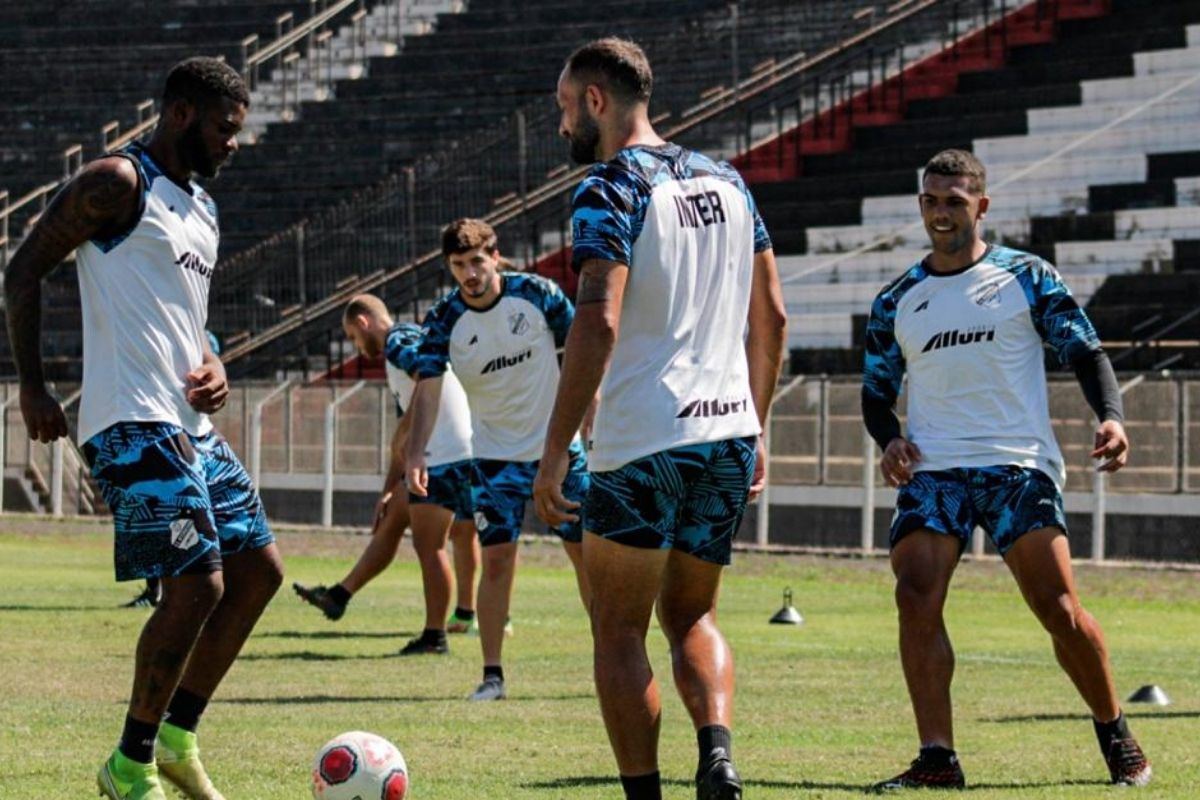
359	766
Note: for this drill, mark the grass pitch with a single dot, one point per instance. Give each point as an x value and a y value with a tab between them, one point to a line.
821	709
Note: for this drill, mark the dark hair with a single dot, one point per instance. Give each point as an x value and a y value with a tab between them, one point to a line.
616	65
959	163
201	79
467	234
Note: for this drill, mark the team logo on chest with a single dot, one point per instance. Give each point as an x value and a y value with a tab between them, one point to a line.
987	295
518	323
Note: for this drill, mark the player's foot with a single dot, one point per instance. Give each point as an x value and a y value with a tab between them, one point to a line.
148	598
508	628
926	773
492	688
122	779
717	779
319	597
178	759
1127	764
457	624
425	646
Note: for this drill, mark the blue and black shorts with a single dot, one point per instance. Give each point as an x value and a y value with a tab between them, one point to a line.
500	490
449	486
688	498
179	502
1007	501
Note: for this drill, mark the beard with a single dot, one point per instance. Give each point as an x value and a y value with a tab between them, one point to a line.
194	154
585	140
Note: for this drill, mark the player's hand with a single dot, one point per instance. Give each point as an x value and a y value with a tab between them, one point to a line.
553	508
1111	445
208	388
43	415
381	507
417	476
898	461
759	482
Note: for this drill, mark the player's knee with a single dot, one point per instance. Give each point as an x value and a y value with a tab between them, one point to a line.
918	599
497	562
1059	614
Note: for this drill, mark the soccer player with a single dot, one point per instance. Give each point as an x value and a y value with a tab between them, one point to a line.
184	509
681	327
968	324
445	513
499	331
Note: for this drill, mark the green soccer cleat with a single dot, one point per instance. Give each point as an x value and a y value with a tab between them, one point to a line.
122	779
456	624
178	759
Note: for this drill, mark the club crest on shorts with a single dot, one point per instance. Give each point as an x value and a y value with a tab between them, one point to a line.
184	534
481	521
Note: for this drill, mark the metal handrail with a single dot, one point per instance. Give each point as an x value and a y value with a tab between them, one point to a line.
297	33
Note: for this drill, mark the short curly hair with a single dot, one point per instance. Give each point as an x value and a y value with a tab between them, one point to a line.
958	164
467	234
201	80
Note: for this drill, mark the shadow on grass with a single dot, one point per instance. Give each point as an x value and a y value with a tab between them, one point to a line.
58	608
591	781
309	655
973	787
1133	714
325	699
333	635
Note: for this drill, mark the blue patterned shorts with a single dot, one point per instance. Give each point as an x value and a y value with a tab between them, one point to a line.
449	486
689	498
179	502
500	490
1006	501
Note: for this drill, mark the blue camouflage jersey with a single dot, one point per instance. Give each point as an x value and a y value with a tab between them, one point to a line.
971	344
505	358
688	229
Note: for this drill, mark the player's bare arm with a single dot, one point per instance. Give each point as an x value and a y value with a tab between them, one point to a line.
396	468
425	400
586	356
767	319
101	199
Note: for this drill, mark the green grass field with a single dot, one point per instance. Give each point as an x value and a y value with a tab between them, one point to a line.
821	709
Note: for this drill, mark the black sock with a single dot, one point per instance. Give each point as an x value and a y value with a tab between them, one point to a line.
1107	732
338	594
937	756
498	671
185	709
710	738
433	636
137	740
464	614
642	787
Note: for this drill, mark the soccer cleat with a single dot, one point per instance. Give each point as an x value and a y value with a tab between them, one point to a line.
319	597
143	787
922	774
717	779
492	688
421	646
456	624
181	765
474	631
1127	764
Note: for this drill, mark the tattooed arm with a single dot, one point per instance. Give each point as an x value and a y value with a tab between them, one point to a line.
101	200
589	349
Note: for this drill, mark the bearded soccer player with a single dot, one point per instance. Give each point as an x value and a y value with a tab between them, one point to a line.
680	328
968	325
445	513
184	509
499	332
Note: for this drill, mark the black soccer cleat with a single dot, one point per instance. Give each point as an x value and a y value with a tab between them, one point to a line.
924	774
1127	764
319	597
421	646
148	598
717	779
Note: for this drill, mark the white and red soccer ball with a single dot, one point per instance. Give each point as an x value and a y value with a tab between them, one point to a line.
359	766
